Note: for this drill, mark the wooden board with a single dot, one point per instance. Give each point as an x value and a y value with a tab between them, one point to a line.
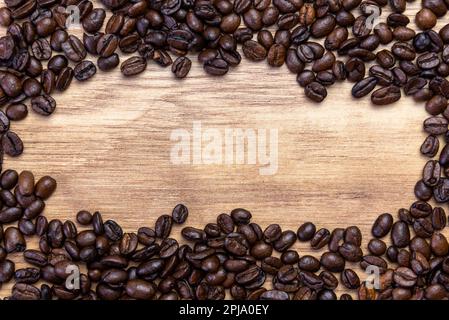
108	145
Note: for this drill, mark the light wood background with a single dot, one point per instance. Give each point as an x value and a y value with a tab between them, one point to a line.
342	162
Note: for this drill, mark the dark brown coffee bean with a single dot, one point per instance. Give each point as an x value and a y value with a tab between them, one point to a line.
306	231
400	234
74	49
163	226
438	218
43	105
430	146
333	262
133	66
387	95
109	63
181	67
12	145
435	125
350	252
350	279
14	240
84	70
364	87
320	239
315	92
216	67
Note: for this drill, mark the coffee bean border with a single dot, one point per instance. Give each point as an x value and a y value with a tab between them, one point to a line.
232	255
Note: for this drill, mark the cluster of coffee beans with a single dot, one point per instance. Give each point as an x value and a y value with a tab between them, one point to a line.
39	55
232	256
229	258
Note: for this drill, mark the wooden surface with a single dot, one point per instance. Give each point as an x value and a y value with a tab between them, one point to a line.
108	145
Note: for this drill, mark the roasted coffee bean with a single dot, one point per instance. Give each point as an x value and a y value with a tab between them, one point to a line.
7	269
108	63
84	70
133	66
435	125
240	216
438	218
305	78
350	252
400	234
320	239
45	187
436	105
106	45
35	258
350	279
355	69
364	87
377	247
382	225
43	105
422	191
180	214
74	49
337	237
12	145
41	225
181	67
430	146
163	226
387	95
114	232
315	92
306	231
94	20
27	275
333	262
374	261
441	191
193	234
14	240
285	241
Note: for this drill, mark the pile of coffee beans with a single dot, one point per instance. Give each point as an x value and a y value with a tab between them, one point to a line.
322	42
231	257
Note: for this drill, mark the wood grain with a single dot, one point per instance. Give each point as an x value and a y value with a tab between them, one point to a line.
108	145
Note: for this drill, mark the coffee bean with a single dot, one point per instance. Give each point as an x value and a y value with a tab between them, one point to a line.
43	105
400	234
386	95
7	269
285	241
84	70
11	143
133	66
320	239
350	252
436	105
14	240
435	125
181	67
350	279
163	226
315	92
382	225
364	87
332	262
16	112
438	218
306	231
74	49
430	146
